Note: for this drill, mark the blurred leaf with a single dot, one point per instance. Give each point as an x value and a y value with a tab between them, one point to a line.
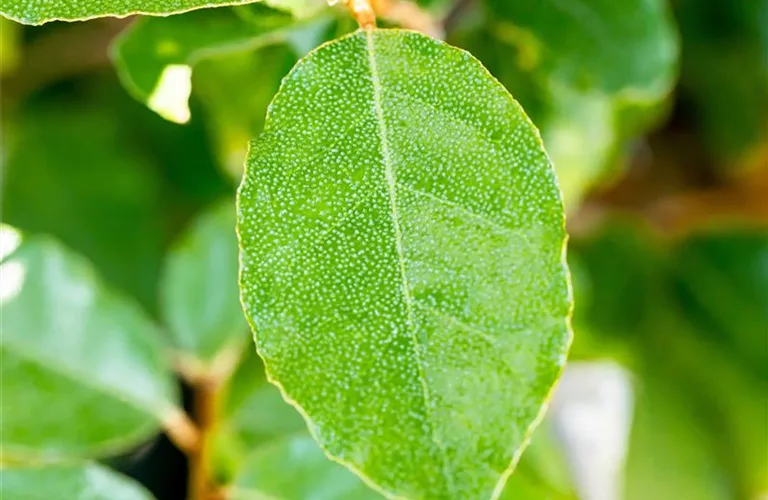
722	279
68	482
725	75
385	278
236	112
720	282
83	372
43	11
694	317
542	473
10	46
154	57
670	455
256	410
603	45
200	302
622	267
295	468
70	172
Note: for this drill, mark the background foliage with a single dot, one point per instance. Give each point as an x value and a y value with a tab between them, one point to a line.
654	112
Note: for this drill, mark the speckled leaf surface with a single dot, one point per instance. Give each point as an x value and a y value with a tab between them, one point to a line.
199	296
43	11
68	482
155	55
99	374
402	262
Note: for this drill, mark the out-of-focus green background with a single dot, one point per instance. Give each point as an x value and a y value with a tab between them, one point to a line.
657	124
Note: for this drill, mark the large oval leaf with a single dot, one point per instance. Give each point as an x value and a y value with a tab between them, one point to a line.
83	372
402	262
68	482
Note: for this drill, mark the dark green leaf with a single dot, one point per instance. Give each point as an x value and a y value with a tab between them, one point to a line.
83	372
400	222
720	40
608	46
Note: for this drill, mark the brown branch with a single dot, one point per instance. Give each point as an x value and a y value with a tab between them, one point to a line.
206	403
362	11
182	432
742	202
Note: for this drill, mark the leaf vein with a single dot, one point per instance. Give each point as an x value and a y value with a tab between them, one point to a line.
391	179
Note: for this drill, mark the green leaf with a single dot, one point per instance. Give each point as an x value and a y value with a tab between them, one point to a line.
55	181
154	57
73	352
295	468
402	262
722	278
235	112
722	39
604	45
670	454
263	449
68	482
43	11
199	294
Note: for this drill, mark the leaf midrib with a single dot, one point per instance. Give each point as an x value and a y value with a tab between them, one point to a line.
389	173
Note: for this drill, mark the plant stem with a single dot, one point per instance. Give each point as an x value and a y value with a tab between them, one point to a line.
182	431
205	406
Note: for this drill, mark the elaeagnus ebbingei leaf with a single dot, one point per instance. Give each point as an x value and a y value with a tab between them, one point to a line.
402	263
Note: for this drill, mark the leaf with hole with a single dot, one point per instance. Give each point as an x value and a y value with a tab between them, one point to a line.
402	262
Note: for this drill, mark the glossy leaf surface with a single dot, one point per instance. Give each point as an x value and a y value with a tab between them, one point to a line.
199	287
402	262
68	482
83	372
